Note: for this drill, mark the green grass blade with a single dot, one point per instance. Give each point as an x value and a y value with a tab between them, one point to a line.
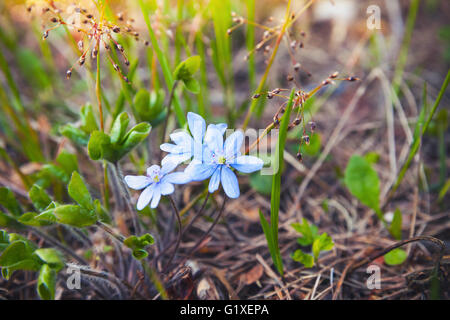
276	184
418	137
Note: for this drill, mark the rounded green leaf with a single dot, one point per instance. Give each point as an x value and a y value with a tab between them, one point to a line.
52	257
363	182
119	128
395	257
79	192
99	145
187	68
74	215
46	283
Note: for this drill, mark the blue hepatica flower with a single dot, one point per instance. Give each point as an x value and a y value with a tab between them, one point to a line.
217	160
158	181
188	147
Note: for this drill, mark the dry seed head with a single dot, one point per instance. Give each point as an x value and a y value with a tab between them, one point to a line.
81	60
256	96
297	66
54	20
312	125
80	45
267	49
45	35
269	95
299	157
68	74
290	78
116	66
297	121
352	79
119	46
229	31
306	139
334	75
294	44
276	91
116	29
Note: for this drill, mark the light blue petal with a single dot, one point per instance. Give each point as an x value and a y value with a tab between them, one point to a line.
181	137
145	197
171	148
177	178
176	158
197	150
215	180
197	126
168	166
214	139
166	188
202	171
137	182
156	196
247	164
229	183
222	127
233	144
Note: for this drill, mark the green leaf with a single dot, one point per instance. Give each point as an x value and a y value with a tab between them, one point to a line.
8	222
135	136
102	215
119	128
68	162
395	257
150	106
137	244
99	145
4	240
363	182
309	232
79	192
39	197
261	183
9	201
322	243
372	157
74	215
52	257
18	255
74	134
396	226
46	283
187	68
268	233
88	121
192	85
30	219
306	259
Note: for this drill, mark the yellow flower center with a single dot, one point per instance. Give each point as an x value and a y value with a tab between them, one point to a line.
221	160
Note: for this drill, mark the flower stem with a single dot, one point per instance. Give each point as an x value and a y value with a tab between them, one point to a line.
199	242
197	215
